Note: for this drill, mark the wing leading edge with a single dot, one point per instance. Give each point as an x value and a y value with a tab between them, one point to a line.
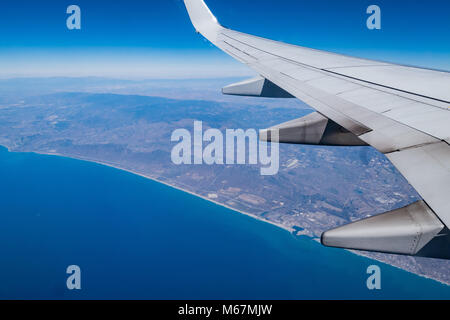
404	112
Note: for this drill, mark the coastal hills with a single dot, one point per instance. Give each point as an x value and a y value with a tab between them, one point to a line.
128	124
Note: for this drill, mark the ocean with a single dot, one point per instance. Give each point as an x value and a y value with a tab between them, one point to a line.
134	238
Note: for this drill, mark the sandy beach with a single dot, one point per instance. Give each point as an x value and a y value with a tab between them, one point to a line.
285	228
118	167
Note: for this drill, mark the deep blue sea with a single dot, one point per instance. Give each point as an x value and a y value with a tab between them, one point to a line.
137	239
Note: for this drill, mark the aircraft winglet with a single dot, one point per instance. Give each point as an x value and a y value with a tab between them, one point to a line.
203	20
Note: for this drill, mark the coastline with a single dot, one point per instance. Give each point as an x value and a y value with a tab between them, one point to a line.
285	228
115	166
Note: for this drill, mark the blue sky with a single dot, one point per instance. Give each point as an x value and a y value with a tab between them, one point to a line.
154	39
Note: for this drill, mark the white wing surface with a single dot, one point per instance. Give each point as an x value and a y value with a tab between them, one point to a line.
401	111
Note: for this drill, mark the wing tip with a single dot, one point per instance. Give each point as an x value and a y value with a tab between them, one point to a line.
200	15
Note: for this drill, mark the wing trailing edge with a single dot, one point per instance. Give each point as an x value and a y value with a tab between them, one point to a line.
359	102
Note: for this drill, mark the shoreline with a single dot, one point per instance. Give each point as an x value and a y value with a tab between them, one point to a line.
285	228
117	167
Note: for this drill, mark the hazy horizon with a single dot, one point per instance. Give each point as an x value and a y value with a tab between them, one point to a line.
156	41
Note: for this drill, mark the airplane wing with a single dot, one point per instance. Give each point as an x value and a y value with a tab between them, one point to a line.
402	111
